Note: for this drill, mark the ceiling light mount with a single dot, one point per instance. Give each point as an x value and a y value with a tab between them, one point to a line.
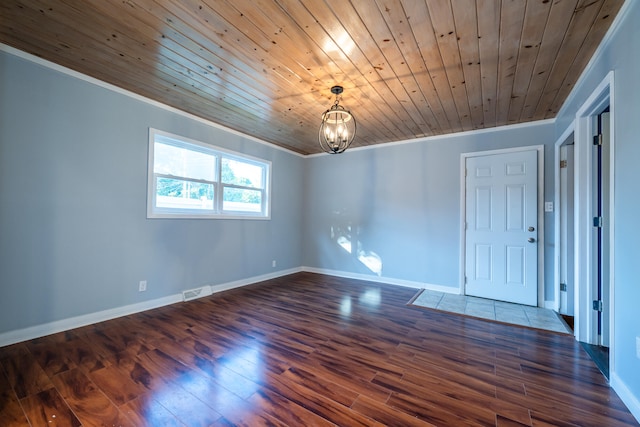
338	127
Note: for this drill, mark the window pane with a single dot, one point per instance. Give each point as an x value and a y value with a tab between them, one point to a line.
243	200
192	179
241	173
181	194
176	161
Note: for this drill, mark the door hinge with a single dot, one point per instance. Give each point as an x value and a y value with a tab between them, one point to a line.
563	287
597	221
597	305
563	164
597	139
465	280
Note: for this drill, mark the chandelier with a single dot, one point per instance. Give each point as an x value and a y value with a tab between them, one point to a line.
338	127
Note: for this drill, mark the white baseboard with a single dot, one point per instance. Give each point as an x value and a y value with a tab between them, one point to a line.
386	280
42	330
37	331
626	395
254	279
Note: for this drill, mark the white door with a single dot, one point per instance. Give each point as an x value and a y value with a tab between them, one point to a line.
501	253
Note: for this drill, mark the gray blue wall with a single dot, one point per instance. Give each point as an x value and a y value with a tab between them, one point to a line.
622	55
74	237
404	202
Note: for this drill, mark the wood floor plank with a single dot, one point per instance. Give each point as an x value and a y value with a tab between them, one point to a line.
321	404
287	352
11	414
187	408
385	414
25	375
52	357
320	385
81	352
87	401
48	408
432	396
285	410
117	384
502	421
144	411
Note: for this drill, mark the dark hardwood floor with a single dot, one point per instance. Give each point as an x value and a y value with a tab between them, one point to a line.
304	350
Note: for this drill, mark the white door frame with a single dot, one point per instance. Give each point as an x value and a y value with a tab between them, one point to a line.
585	326
556	215
463	231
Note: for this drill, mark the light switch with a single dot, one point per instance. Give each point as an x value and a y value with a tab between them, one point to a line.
548	206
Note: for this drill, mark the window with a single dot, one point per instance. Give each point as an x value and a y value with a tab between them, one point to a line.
190	179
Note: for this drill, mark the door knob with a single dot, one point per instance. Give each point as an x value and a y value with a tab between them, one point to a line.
531	240
532	229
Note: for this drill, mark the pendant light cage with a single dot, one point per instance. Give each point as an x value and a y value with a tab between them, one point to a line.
338	127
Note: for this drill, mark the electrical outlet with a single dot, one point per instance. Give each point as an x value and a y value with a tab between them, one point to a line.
142	286
638	347
548	206
273	263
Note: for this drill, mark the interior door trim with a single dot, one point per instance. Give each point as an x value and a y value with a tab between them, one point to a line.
541	240
564	138
584	329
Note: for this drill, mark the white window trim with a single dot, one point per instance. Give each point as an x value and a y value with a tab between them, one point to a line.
176	213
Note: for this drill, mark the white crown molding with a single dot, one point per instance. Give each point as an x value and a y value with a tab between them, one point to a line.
72	73
434	138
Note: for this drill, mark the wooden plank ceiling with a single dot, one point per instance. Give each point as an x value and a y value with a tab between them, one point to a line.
410	68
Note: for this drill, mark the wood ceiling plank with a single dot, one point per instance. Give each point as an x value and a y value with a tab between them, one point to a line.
367	31
554	32
511	21
265	81
264	68
436	75
273	107
466	24
172	95
284	54
412	66
291	49
399	48
488	38
72	56
582	20
350	65
287	33
118	51
447	41
600	26
532	33
413	44
177	37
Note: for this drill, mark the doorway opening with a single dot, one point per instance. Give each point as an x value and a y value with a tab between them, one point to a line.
585	210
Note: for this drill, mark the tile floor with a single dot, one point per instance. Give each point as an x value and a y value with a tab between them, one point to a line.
506	312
